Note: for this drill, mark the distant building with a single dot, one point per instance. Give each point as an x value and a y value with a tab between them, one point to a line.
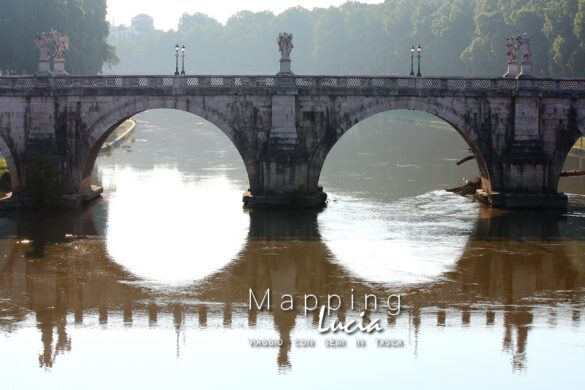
121	31
140	24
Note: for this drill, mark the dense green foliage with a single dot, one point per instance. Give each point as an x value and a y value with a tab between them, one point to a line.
459	37
84	21
4	176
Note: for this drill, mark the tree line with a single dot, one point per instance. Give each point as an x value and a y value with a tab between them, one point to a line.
458	37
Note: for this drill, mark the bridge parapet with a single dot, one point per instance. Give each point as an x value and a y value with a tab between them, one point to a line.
137	82
454	84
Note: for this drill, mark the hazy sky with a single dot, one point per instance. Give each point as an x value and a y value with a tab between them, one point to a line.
166	13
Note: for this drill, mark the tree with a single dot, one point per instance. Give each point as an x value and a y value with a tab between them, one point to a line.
84	21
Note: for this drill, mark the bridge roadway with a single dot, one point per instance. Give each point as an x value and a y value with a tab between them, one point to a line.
520	131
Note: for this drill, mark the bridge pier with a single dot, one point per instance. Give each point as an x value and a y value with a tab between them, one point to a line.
524	184
526	179
525	171
286	177
522	200
286	183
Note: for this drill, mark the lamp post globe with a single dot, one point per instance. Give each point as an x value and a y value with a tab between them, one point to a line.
177	59
412	60
418	55
183	60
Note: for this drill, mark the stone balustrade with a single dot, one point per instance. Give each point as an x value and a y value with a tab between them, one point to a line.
456	84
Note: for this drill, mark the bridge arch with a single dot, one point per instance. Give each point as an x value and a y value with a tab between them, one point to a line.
100	130
563	150
348	119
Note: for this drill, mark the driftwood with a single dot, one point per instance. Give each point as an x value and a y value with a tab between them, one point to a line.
466	159
469	188
572	173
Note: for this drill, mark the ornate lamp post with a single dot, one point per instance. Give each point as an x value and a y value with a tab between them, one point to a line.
418	55
412	61
177	59
183	60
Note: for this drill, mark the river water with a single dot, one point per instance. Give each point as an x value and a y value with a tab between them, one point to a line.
149	286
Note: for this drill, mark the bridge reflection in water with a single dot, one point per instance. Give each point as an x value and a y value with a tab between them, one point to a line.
514	268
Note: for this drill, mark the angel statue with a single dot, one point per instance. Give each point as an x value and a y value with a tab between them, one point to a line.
285	44
524	43
61	43
511	46
42	42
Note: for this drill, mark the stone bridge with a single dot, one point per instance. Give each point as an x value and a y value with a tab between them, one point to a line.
284	126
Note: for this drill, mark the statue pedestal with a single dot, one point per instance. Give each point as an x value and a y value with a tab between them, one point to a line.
526	71
59	68
513	70
285	67
44	68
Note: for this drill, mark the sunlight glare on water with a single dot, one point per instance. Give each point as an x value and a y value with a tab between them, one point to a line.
182	237
389	243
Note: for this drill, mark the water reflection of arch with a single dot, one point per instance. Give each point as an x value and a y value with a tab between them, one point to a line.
302	271
484	282
42	271
525	238
510	261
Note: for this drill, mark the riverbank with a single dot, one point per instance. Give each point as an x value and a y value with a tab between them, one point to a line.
120	135
439	124
578	149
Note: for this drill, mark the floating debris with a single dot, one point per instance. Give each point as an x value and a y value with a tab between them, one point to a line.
572	173
466	159
469	188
